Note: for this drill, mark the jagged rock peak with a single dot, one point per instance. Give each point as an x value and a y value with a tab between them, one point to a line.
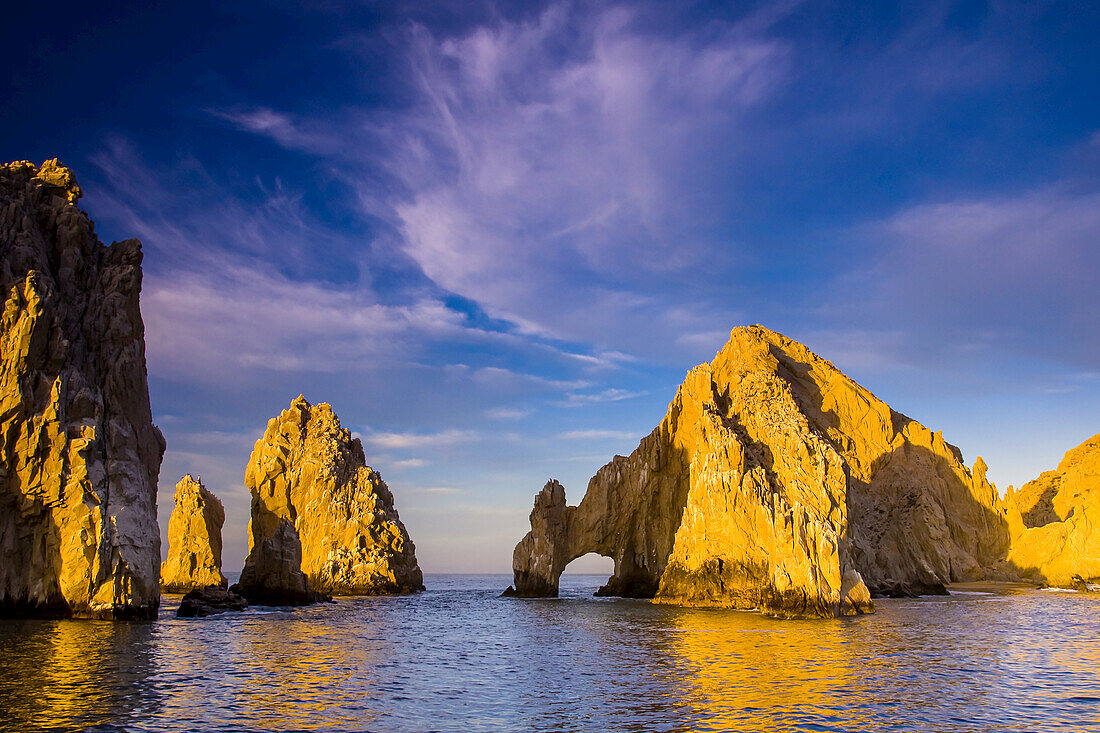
1055	521
322	520
194	539
774	482
80	456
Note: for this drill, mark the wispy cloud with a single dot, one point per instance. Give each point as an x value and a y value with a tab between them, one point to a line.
536	166
408	463
608	395
434	491
404	441
981	275
598	435
507	413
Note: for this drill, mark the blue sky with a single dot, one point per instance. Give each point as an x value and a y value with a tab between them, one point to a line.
496	236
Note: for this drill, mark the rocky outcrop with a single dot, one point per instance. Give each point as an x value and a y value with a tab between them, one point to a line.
774	482
323	522
1055	521
200	602
80	454
194	540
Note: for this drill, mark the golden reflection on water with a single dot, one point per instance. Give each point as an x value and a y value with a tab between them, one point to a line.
61	666
455	661
302	680
749	673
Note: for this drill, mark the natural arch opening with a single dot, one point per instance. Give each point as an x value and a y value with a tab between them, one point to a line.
585	574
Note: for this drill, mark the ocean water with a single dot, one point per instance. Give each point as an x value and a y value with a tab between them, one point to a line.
458	658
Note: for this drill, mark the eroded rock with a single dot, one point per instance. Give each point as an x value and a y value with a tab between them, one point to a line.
774	482
323	522
194	540
1055	521
80	454
214	599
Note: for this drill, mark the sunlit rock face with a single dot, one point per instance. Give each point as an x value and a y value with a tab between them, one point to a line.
323	522
194	540
80	454
774	482
1055	520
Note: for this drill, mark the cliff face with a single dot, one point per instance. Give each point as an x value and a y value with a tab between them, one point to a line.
774	482
194	540
322	520
80	454
1055	520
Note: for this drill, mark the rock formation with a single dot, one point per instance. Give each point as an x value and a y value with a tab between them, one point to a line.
323	522
80	455
1055	521
774	482
194	540
200	602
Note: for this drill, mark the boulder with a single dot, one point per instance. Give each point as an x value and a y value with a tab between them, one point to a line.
208	601
323	522
80	455
194	540
774	482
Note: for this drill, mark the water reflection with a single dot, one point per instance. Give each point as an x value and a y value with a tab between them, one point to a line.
744	672
457	658
66	674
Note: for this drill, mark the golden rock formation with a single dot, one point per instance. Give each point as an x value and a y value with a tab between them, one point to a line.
322	520
774	482
194	540
80	455
1055	521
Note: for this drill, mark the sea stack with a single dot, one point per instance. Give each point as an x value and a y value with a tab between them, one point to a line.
774	482
323	522
80	455
194	540
1055	521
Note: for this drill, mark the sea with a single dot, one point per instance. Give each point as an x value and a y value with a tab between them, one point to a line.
460	658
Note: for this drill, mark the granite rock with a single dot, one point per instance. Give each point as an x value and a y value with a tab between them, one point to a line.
774	482
194	540
80	455
323	522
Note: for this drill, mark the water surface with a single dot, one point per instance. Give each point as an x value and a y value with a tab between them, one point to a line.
458	658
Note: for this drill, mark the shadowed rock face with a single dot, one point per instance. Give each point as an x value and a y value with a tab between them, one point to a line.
80	454
1055	520
194	540
774	482
322	520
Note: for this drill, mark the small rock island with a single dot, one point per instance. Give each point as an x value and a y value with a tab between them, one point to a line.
323	522
194	540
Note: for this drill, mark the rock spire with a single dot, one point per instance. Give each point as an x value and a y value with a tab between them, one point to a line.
80	455
194	540
323	522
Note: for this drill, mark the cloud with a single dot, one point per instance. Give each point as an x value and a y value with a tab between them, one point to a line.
405	441
612	394
205	326
507	413
538	167
434	491
597	435
408	463
278	126
982	275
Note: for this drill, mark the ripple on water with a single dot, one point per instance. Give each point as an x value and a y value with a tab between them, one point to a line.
458	658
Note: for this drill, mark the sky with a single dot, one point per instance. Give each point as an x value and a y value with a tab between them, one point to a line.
495	236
